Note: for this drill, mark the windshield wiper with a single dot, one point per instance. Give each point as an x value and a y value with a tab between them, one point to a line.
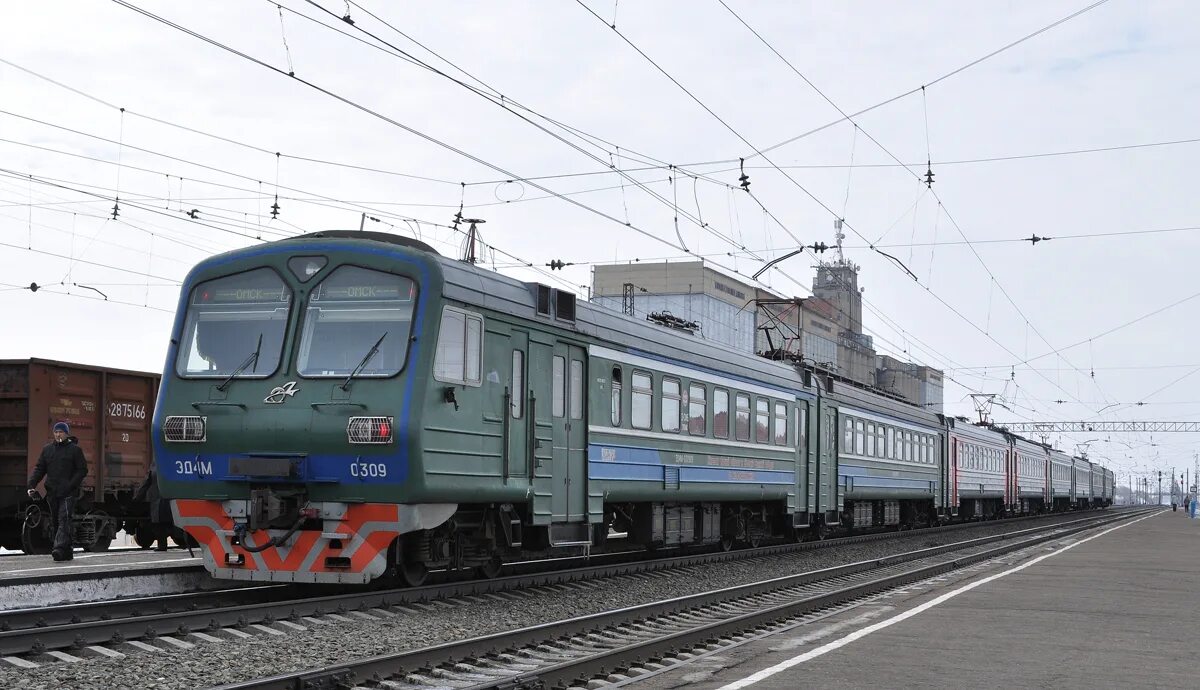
242	367
362	365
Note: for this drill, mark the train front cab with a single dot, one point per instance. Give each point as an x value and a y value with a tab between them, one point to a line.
281	435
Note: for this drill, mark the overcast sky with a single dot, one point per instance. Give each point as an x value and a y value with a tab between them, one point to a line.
1121	74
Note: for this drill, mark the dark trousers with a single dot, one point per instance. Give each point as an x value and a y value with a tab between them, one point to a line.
162	532
61	511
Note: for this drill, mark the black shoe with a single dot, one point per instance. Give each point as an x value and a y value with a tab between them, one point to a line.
57	555
161	547
68	555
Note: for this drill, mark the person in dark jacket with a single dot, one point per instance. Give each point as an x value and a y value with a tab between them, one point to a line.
160	508
64	467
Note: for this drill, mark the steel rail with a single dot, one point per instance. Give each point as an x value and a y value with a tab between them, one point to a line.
495	644
16	624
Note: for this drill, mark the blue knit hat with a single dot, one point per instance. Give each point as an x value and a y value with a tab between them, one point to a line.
62	426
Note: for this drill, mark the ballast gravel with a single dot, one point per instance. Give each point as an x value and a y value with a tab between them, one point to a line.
337	641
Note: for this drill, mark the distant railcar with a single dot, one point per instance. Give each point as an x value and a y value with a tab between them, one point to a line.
109	412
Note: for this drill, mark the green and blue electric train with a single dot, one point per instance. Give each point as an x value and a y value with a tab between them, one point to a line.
343	406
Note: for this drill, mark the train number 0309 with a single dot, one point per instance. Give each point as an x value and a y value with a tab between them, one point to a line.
368	469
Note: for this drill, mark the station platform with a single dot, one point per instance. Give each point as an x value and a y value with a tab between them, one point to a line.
37	580
1111	607
22	568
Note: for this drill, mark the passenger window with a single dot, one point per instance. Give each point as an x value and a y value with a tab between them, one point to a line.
721	413
762	421
670	405
781	424
616	396
802	426
576	389
697	404
558	406
742	422
643	399
516	401
459	348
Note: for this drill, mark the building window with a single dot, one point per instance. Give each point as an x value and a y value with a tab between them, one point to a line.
459	348
616	396
891	444
781	424
516	401
670	405
720	413
848	438
860	439
742	421
576	389
870	439
762	421
559	385
697	412
643	399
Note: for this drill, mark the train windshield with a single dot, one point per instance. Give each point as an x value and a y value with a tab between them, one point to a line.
357	322
235	325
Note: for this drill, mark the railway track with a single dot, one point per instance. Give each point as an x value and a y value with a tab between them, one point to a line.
570	652
82	626
65	631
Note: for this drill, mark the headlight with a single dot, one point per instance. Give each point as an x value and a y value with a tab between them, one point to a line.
185	429
370	430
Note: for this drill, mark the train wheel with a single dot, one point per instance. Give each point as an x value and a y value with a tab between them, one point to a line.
491	569
413	573
727	542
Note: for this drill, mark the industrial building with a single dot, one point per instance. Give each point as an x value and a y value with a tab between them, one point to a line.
824	331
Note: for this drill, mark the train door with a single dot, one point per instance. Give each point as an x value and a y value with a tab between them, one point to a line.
568	502
520	395
828	496
804	484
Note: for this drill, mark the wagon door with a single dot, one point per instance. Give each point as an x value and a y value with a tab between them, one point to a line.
569	465
827	472
519	395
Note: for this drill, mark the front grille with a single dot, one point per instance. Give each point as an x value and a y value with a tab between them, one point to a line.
185	429
370	430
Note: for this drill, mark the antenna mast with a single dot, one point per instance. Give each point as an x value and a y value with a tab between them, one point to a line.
838	236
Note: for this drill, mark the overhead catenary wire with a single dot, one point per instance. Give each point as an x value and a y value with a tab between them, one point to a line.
928	178
792	180
937	80
374	113
128	5
507	104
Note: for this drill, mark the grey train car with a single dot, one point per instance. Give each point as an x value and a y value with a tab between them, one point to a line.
1081	495
1030	470
890	460
978	471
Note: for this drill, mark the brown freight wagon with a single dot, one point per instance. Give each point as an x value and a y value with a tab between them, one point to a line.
109	411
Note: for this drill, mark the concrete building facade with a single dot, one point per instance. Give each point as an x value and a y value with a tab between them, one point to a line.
722	306
825	330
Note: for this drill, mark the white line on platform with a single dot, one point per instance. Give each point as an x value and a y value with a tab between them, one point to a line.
81	566
859	634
